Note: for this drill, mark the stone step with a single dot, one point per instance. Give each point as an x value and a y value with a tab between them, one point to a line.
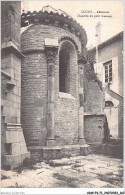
58	152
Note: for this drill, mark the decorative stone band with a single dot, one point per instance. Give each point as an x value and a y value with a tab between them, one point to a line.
65	37
51	45
27	51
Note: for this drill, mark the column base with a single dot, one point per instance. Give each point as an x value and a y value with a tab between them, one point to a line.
82	141
50	142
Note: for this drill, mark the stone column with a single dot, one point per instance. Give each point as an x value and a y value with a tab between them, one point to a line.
51	54
81	102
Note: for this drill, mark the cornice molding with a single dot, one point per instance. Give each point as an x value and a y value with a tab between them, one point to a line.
55	19
28	51
11	47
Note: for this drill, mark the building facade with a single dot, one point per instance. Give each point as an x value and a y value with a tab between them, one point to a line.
53	89
13	146
110	71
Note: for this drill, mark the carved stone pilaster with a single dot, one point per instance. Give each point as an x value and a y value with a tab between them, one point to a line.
50	54
81	100
81	59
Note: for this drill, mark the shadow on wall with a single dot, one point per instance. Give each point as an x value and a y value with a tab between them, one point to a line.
106	130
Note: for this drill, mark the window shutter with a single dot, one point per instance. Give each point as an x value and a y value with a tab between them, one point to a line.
115	80
100	71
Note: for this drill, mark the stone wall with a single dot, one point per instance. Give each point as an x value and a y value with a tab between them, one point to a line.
93	111
94	99
34	98
10	20
33	38
11	88
66	120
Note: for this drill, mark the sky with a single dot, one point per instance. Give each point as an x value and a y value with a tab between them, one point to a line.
110	26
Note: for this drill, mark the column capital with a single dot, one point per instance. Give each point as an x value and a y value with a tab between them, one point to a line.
51	52
51	48
81	59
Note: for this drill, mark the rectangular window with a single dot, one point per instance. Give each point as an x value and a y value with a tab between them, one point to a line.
108	71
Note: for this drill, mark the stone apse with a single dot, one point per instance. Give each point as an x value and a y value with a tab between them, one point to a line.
60	101
61	107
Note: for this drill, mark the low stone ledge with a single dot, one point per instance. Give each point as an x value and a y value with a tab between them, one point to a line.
93	113
58	152
108	149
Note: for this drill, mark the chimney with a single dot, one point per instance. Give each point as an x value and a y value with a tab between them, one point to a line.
24	6
98	33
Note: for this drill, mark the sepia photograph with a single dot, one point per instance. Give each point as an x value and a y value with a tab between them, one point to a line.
62	96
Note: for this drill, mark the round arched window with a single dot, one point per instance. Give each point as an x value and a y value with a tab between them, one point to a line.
109	104
67	68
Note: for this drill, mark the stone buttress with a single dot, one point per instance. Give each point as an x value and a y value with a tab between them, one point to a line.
13	145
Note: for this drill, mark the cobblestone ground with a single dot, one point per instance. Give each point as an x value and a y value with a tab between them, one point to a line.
92	171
